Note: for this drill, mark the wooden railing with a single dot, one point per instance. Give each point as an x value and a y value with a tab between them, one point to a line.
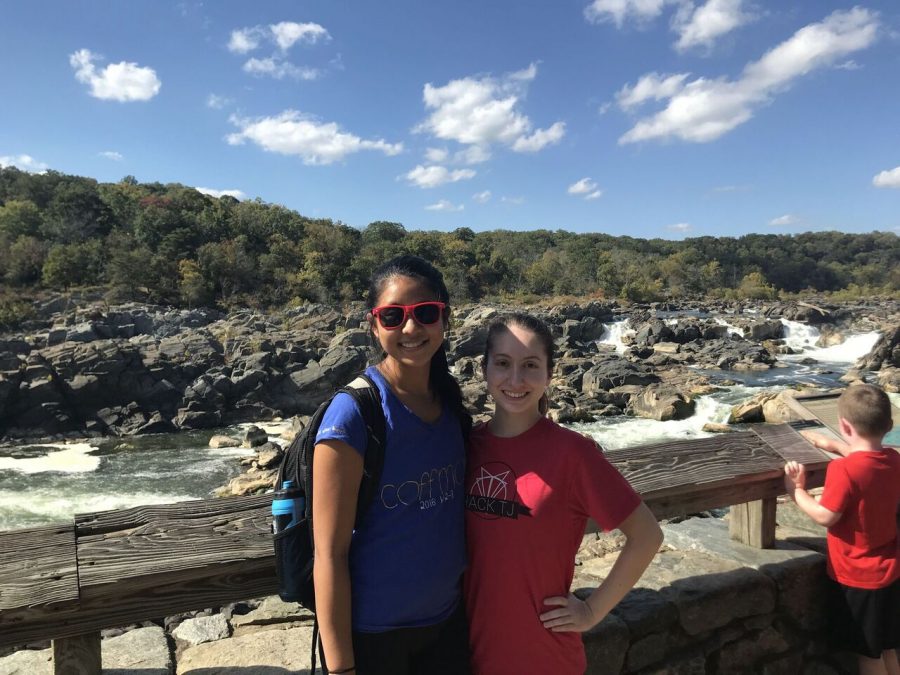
68	582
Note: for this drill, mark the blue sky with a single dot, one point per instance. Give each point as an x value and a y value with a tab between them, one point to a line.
652	118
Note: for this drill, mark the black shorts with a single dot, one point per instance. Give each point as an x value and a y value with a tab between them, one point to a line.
866	621
442	649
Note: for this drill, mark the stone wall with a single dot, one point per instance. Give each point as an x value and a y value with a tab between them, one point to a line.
709	605
706	605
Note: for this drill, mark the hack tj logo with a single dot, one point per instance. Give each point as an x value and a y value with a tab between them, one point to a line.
492	493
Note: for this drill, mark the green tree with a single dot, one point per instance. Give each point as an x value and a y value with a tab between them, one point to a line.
128	268
25	261
19	218
70	265
76	213
228	268
755	287
191	285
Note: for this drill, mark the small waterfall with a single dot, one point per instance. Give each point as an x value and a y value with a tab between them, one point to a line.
798	336
851	349
613	334
622	432
732	329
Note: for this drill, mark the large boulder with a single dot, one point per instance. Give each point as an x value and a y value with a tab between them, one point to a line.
806	313
778	410
662	403
764	330
885	352
615	373
254	436
305	389
653	331
750	411
586	330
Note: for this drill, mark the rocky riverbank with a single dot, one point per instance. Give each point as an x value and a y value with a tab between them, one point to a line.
135	369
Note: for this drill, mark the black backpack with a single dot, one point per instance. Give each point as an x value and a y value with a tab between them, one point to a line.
294	546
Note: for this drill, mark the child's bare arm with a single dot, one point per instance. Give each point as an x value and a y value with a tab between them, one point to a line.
826	443
795	484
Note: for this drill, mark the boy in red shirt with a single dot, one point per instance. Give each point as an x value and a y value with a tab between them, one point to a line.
859	508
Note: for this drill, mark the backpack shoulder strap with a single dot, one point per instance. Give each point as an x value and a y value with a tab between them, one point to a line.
368	398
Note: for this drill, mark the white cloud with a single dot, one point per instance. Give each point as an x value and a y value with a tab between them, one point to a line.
283	35
680	227
474	154
618	11
482	197
702	110
288	33
540	138
516	201
245	40
849	64
436	155
218	102
782	221
112	154
696	26
434	175
25	163
237	194
650	86
279	69
485	111
444	205
888	178
701	26
121	81
292	133
586	188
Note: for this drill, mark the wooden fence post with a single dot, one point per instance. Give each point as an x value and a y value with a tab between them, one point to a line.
753	523
79	655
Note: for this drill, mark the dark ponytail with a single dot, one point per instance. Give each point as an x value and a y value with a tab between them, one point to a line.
442	381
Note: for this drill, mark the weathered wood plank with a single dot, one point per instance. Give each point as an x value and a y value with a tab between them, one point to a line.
103	522
171	548
788	444
37	568
78	655
219	585
680	466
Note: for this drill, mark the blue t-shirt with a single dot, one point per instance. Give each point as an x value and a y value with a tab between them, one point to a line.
407	558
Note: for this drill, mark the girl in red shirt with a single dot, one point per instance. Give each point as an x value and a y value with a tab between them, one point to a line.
531	486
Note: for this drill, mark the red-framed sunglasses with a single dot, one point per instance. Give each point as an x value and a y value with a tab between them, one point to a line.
392	317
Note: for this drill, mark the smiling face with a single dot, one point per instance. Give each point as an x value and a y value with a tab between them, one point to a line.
411	344
517	371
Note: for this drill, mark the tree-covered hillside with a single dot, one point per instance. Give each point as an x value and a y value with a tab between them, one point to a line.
172	244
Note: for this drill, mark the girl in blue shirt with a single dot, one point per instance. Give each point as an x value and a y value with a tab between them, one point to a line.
388	595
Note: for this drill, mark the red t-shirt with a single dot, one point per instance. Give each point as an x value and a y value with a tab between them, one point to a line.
528	499
863	547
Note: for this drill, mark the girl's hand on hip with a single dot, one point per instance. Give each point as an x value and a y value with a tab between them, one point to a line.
572	615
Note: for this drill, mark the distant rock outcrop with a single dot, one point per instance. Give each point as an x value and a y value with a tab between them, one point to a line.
135	369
